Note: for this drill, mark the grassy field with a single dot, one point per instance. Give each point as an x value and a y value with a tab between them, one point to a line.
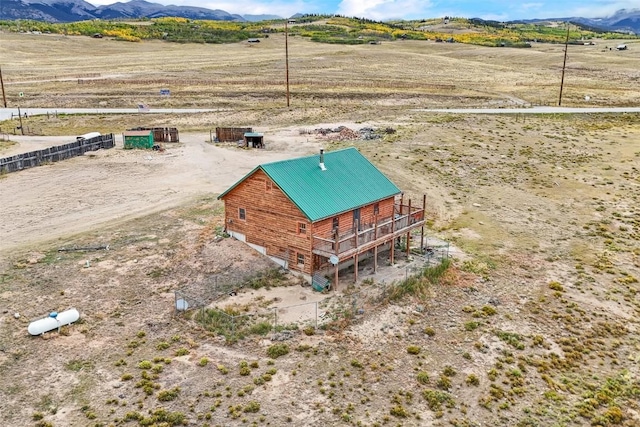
534	324
64	71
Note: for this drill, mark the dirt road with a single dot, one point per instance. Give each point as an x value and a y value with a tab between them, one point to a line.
111	186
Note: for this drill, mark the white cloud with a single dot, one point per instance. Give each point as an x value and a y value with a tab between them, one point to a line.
602	10
413	9
567	9
531	6
499	17
384	9
253	7
282	8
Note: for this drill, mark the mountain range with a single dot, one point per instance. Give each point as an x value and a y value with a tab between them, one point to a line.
624	20
80	10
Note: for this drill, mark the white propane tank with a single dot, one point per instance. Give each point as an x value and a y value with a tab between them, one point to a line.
54	321
88	136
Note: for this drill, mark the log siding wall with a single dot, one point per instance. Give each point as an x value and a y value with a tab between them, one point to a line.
324	228
272	220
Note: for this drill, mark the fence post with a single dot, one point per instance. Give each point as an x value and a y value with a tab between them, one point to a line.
233	326
275	314
316	314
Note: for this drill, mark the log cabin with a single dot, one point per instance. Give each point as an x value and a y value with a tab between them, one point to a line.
319	214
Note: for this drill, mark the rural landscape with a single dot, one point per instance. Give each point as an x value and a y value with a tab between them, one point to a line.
525	310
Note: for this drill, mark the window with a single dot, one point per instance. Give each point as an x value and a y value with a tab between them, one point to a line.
242	213
336	223
302	228
376	209
268	185
300	258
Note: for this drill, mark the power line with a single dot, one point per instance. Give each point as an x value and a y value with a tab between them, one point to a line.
286	49
564	64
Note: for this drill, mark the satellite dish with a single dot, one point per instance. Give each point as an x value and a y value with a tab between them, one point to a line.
587	98
182	305
333	259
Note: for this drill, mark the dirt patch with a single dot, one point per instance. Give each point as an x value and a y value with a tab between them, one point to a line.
115	185
535	325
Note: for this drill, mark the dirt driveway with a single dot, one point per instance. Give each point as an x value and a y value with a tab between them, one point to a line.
112	186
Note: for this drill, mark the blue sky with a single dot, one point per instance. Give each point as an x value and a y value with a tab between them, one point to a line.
414	9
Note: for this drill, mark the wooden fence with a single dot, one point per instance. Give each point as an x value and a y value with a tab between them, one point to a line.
162	134
56	153
231	134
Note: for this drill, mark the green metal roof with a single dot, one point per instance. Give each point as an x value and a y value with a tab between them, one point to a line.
349	181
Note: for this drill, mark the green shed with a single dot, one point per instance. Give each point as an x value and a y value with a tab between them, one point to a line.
138	139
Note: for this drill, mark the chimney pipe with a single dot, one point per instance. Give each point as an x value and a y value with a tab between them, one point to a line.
322	167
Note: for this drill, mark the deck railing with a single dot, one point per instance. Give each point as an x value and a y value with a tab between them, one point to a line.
405	218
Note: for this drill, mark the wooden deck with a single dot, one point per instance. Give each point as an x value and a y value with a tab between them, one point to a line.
347	245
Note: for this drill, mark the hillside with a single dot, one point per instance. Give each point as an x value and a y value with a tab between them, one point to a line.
323	29
624	20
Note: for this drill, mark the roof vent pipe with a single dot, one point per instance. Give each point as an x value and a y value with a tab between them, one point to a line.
322	167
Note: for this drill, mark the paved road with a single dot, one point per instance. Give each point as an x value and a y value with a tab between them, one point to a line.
533	110
5	113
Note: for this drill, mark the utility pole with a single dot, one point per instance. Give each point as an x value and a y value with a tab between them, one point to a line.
564	64
4	97
21	125
286	60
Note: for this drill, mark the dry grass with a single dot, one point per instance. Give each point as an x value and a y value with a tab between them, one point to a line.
6	144
58	71
540	326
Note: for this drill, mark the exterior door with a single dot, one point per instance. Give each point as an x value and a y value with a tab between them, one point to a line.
356	220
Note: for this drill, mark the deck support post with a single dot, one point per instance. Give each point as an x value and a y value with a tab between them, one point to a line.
424	205
355	258
336	236
355	268
375	259
393	240
375	248
409	232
